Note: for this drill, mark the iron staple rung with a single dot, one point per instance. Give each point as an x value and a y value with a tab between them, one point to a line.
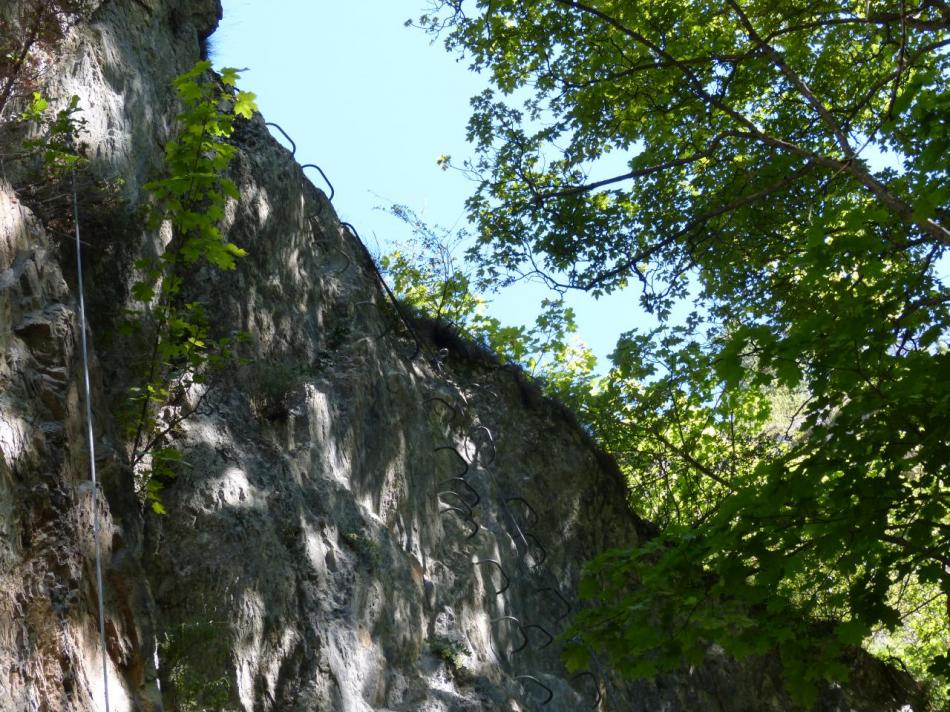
536	681
293	146
467	486
527	504
544	632
456	411
593	677
567	605
491	443
326	180
466	517
389	292
500	569
524	636
458	455
461	499
544	552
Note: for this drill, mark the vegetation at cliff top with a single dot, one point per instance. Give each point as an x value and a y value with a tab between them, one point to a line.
790	434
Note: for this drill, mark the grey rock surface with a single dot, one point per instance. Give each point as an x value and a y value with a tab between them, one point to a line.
362	522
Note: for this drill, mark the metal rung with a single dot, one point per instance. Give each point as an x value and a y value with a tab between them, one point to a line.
524	636
544	553
490	441
544	631
501	571
467	486
324	176
458	455
460	498
564	601
596	686
528	507
465	517
293	146
536	681
456	411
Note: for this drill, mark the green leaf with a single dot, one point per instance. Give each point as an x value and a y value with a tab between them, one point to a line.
245	104
229	76
852	632
143	292
576	658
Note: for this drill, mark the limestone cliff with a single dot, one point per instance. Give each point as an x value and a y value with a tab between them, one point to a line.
362	521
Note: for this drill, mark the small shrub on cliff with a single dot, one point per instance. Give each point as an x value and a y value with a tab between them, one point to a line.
190	658
453	653
367	549
428	278
55	136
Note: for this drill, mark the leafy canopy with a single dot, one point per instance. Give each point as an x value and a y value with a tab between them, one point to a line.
789	159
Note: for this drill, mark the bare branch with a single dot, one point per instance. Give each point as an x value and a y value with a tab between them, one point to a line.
908	62
692	461
662	64
910	548
638	173
900	63
881	19
172	424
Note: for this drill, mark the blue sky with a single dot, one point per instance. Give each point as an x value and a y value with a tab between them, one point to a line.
374	104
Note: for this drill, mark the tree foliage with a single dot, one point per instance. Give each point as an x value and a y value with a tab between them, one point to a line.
29	31
55	140
428	277
181	346
789	160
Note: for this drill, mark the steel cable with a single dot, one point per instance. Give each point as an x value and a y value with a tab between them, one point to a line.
92	448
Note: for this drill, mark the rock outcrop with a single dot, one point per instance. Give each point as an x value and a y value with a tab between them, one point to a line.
363	520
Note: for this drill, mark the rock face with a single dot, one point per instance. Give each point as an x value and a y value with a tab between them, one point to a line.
364	520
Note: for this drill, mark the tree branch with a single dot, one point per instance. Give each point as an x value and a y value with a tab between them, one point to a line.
911	548
796	80
882	19
904	210
901	208
24	52
697	86
889	114
663	64
693	462
638	173
172	424
696	222
879	84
